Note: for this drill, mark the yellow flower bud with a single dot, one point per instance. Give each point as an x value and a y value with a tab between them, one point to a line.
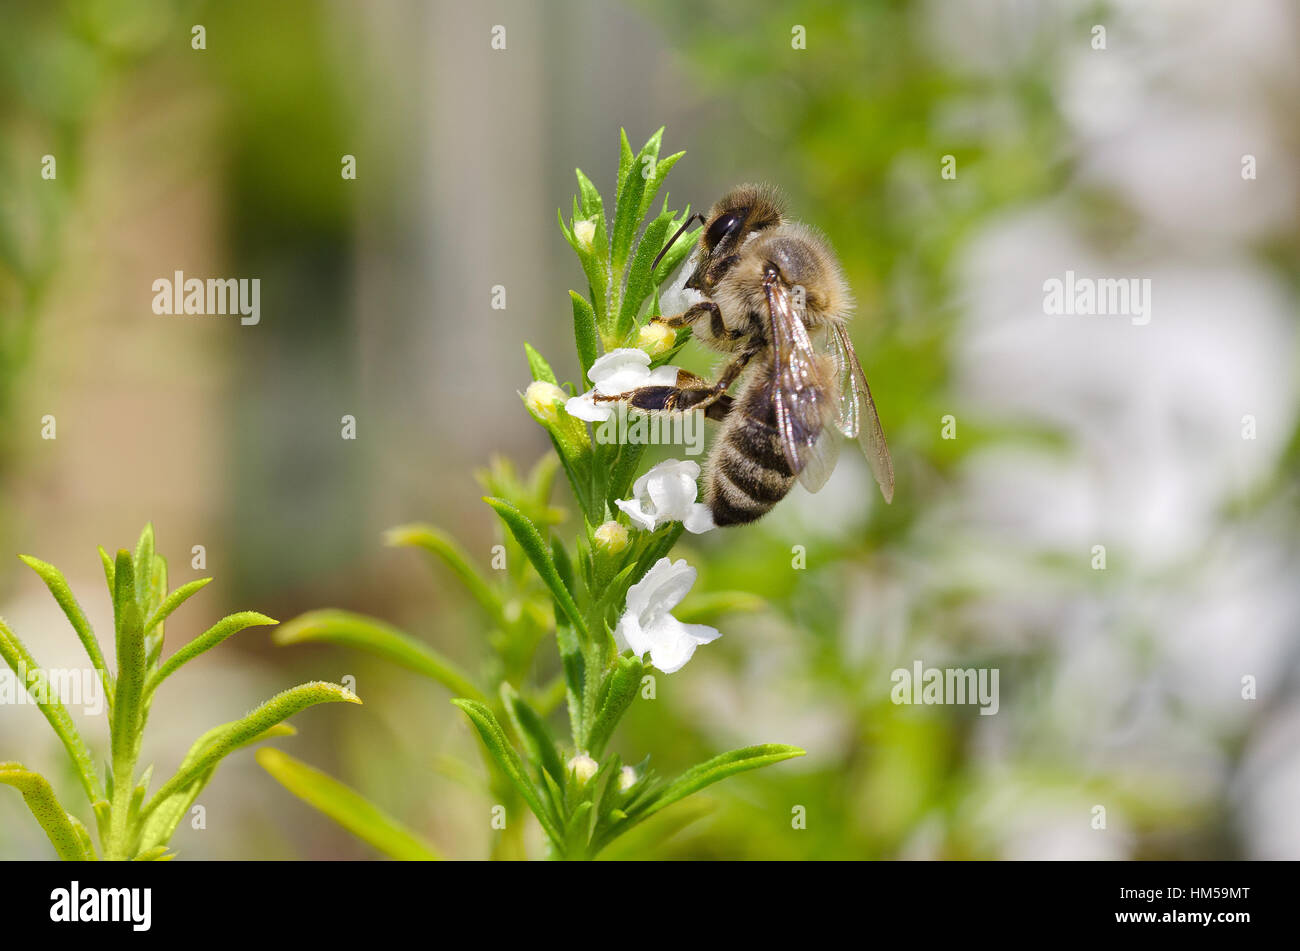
627	778
585	233
611	537
583	768
544	401
656	338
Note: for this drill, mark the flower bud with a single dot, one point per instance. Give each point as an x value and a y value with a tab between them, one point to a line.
583	768
627	778
611	538
655	338
585	233
544	400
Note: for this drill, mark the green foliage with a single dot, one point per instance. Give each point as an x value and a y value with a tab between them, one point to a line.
581	795
346	807
127	826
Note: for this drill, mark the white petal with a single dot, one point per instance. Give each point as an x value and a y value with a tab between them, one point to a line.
621	381
639	516
672	658
699	519
669	582
674	643
638	487
671	487
629	631
701	633
665	375
620	371
586	408
616	360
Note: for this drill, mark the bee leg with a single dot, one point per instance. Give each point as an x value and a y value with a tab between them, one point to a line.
672	399
693	392
690	315
703	397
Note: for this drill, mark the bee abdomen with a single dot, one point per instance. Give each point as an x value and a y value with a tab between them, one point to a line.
748	472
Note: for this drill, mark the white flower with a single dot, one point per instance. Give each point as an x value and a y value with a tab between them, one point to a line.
647	625
667	493
616	373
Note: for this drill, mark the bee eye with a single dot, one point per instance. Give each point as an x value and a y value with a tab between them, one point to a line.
723	226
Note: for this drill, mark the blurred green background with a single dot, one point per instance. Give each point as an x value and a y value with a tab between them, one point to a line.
1120	688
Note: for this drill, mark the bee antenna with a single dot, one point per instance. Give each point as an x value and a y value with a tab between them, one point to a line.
673	240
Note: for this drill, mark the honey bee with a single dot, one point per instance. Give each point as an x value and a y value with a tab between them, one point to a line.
767	287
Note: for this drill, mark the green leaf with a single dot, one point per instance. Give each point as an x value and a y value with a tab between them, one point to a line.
347	807
157	854
662	168
54	820
58	586
621	688
624	470
584	332
160	822
679	251
541	370
21	662
532	730
710	772
531	542
642	838
592	204
232	736
639	281
420	535
628	214
369	634
209	639
625	159
143	565
153	636
575	678
577	831
563	564
494	739
174	601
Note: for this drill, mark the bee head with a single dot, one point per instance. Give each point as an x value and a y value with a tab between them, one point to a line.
743	211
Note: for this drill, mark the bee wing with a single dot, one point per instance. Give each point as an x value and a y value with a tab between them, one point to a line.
856	416
804	406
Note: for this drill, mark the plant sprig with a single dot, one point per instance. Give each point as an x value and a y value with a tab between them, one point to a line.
127	826
581	794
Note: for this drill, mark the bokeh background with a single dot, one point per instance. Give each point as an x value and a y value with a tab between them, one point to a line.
1120	687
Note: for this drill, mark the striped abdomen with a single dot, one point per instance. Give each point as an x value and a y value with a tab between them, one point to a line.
747	469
